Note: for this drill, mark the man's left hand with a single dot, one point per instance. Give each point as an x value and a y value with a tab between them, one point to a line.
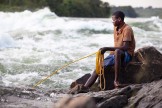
103	50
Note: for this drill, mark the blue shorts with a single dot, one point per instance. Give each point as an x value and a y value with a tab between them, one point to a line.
110	59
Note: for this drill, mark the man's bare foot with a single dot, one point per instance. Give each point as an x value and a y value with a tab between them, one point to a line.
118	85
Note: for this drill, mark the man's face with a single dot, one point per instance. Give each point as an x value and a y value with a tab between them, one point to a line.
116	21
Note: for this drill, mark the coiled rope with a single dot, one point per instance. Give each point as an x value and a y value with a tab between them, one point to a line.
100	69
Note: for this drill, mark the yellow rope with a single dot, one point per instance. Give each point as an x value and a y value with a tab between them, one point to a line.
64	66
100	68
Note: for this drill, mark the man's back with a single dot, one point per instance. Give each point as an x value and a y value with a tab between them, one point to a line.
125	33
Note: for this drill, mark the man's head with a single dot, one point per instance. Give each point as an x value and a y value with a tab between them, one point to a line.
118	18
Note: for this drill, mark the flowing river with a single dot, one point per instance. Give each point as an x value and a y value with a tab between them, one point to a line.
35	44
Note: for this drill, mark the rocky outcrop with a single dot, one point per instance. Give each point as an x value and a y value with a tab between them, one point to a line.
148	95
150	68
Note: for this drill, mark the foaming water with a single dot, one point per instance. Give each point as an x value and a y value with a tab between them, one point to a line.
35	44
6	41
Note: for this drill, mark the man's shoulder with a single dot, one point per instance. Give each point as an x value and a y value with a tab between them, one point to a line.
127	27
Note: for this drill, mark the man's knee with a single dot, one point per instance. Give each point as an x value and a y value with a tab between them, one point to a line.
118	52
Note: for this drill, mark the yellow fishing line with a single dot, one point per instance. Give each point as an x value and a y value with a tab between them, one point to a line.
64	66
99	68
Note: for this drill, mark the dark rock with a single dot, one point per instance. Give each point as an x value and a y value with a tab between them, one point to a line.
81	80
149	70
125	91
114	102
149	96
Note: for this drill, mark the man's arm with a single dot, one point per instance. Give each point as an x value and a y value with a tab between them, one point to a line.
124	48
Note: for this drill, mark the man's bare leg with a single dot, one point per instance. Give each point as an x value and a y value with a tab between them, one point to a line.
91	80
117	66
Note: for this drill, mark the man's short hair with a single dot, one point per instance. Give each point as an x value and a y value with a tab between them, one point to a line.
120	14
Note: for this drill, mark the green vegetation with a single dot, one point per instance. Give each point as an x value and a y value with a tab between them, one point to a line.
70	8
148	12
138	12
20	5
128	10
77	8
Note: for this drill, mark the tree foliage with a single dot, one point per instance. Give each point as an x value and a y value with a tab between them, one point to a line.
70	8
79	8
128	11
148	12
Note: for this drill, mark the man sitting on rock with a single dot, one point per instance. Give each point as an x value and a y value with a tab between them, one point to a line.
121	53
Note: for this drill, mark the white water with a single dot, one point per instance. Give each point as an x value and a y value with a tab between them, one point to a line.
34	44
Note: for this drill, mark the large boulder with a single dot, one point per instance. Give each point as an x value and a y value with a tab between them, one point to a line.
145	67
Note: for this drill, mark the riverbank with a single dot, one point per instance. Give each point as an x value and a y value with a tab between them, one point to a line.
132	96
